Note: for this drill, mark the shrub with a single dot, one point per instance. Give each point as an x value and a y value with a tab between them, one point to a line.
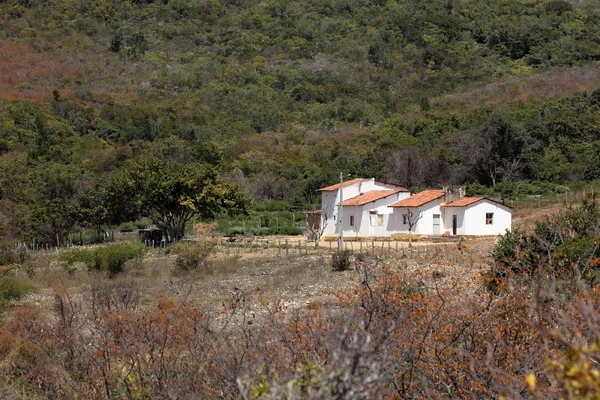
127	227
191	255
341	261
113	258
564	246
12	288
11	255
8	255
110	258
143	223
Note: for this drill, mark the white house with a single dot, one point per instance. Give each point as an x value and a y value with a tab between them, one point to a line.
365	206
373	208
423	210
476	216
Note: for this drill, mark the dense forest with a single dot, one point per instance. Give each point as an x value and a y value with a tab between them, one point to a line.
273	98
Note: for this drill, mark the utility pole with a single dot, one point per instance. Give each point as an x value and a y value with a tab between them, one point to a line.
341	215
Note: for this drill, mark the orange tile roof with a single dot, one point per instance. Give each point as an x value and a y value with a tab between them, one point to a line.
369	197
417	200
335	187
465	201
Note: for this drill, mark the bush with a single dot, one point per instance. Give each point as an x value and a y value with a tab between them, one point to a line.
110	258
127	227
191	255
563	246
12	288
272	205
11	255
143	223
341	261
8	255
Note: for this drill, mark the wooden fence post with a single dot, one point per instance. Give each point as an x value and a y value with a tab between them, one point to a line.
287	253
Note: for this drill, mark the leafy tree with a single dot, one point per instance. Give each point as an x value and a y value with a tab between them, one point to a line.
171	194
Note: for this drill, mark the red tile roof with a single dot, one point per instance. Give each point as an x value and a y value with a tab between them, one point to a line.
369	197
335	187
465	201
417	200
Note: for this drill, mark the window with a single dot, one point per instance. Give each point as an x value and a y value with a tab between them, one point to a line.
404	219
380	219
352	220
489	218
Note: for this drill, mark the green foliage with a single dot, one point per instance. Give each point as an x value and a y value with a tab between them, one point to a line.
192	255
143	223
8	255
280	97
87	237
564	246
341	261
12	288
126	227
110	258
171	193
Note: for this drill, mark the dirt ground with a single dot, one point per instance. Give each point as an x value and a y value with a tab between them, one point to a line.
298	276
302	278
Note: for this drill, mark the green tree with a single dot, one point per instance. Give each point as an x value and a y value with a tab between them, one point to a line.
170	194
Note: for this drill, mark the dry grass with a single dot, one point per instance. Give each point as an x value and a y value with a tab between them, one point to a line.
539	86
302	278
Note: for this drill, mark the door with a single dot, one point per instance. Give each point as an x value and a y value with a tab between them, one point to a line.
372	223
436	224
454	223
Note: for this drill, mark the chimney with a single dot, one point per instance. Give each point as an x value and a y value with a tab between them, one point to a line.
454	193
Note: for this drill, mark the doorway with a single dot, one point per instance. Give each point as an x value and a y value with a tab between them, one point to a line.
454	223
436	224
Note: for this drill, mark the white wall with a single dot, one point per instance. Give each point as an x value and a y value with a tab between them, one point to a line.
475	218
425	224
448	212
363	226
328	203
470	219
331	199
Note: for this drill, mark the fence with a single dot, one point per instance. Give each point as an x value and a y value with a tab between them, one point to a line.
422	252
568	197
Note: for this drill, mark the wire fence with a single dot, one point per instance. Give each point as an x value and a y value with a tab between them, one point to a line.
449	251
566	198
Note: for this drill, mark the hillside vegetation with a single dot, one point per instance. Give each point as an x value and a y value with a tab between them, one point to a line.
279	96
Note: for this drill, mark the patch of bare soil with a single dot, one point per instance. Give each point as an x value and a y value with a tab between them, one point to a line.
525	219
301	279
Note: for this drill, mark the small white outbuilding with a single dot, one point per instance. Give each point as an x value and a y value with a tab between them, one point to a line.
477	216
